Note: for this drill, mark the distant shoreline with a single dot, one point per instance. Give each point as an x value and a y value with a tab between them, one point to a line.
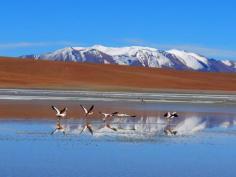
76	95
36	104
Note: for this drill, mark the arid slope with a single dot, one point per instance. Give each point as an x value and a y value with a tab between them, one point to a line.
27	73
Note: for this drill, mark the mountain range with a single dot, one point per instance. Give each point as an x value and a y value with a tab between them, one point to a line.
138	56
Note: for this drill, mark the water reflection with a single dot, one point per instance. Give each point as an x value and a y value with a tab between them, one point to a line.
150	126
143	128
120	147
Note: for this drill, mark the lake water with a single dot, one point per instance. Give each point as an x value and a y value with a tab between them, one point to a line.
205	145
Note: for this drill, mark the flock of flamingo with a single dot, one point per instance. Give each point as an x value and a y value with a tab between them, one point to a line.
88	112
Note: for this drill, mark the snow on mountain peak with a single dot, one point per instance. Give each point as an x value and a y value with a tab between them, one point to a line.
122	50
229	63
138	56
191	60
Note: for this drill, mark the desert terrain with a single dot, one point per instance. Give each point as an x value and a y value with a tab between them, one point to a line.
34	74
27	73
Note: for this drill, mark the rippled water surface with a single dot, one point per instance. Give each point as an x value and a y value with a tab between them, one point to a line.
205	145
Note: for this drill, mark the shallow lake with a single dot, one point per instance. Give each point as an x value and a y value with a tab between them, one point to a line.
204	145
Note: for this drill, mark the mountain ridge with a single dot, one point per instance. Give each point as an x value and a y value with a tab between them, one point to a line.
138	56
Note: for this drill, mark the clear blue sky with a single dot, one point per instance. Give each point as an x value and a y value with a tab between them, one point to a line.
206	27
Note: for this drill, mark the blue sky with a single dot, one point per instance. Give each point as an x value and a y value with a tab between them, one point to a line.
207	27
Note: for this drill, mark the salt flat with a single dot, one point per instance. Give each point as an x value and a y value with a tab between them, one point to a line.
36	94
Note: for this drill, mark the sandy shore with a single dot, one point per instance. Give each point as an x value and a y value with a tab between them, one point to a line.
25	73
42	109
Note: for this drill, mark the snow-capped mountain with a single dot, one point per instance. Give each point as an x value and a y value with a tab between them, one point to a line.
138	56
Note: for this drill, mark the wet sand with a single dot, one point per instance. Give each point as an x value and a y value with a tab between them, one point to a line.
36	104
26	73
41	109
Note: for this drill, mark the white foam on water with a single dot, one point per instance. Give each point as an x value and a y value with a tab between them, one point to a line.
190	126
